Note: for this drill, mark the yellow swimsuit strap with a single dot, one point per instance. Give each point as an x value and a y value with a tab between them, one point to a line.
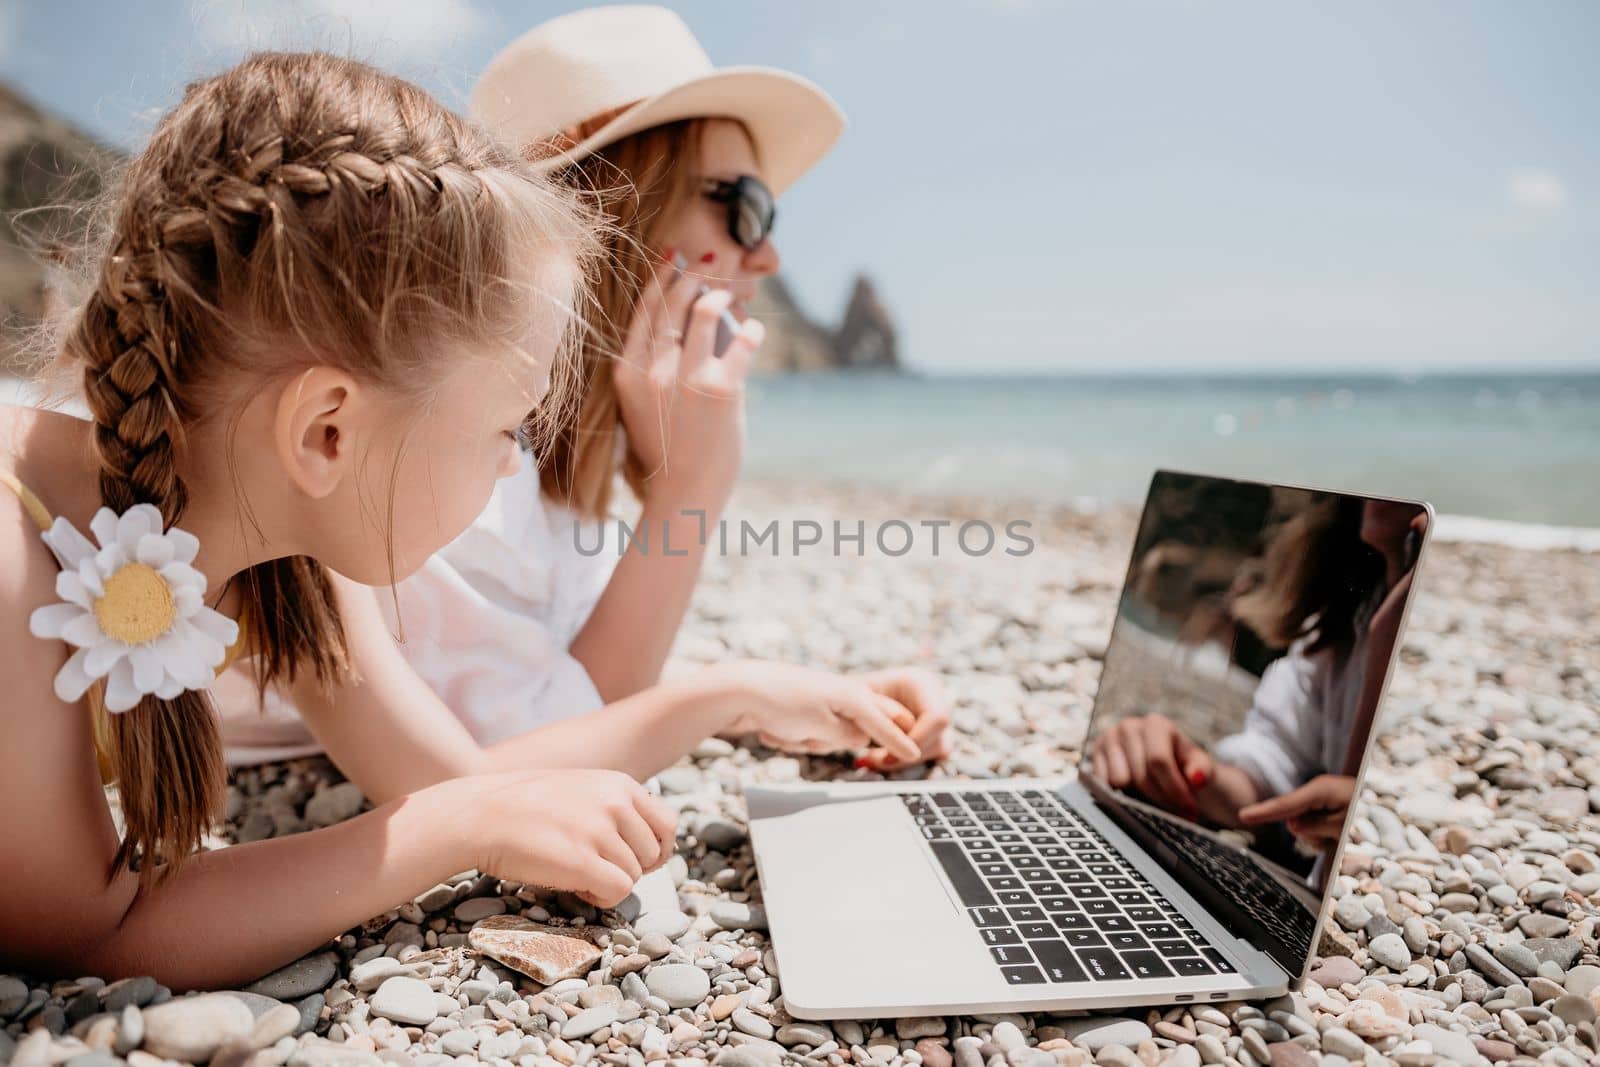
98	715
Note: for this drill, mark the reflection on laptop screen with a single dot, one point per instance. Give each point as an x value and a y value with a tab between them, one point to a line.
1254	634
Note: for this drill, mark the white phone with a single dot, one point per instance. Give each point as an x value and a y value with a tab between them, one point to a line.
727	325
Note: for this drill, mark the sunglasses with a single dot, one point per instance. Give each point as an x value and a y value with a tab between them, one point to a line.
751	207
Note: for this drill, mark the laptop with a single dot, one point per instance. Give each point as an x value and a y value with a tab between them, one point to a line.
1254	636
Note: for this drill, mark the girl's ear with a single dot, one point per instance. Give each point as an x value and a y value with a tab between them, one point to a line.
317	419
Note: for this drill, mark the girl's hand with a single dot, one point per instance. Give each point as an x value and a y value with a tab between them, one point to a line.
593	833
802	710
682	407
1150	754
923	695
1314	813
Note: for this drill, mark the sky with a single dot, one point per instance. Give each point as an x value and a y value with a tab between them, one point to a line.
1043	186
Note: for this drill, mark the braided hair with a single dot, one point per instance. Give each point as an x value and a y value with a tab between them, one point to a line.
298	207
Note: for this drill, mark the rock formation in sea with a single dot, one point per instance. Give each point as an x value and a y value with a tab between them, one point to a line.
44	161
864	339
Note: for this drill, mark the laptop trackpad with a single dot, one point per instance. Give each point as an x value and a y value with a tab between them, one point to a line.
861	855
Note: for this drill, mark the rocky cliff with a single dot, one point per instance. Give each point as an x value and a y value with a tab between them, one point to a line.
863	340
45	163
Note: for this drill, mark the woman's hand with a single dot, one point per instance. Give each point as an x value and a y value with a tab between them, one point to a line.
923	695
1314	813
682	407
593	833
801	710
1153	756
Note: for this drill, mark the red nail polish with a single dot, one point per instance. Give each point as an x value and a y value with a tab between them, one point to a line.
862	763
1197	778
709	257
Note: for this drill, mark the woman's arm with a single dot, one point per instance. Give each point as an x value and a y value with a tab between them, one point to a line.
644	602
391	735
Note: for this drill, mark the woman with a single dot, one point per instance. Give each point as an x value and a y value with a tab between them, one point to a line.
520	622
1336	578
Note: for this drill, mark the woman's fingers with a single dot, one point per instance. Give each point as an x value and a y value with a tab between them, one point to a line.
700	341
647	328
1117	775
862	709
735	362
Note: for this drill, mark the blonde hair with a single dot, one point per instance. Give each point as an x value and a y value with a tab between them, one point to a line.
298	209
637	183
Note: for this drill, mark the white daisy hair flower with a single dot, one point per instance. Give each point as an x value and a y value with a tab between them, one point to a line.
134	609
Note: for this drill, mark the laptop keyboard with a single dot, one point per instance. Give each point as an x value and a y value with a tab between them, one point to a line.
1050	896
1266	901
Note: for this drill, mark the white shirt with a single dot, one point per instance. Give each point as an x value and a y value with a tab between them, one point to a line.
486	623
1300	719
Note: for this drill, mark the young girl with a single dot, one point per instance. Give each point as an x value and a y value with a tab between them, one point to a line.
521	622
326	310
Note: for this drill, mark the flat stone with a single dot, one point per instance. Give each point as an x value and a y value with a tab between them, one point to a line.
1543	924
1583	979
1573	1009
917	1026
475	909
812	1034
1338	1041
748	1022
334	804
118	995
1494	1051
1558	950
681	985
1009	1036
328	1054
458	1043
258	1004
1457	1048
544	953
733	915
1289	1054
722	836
1182	1056
310	1012
192	1028
94	1059
740	1057
1096	1031
655	945
1518	959
405	1000
588	1021
280	1022
669	924
370	974
300	979
1336	971
1390	950
933	1054
1491	968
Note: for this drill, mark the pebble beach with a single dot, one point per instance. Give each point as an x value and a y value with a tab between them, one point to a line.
1464	926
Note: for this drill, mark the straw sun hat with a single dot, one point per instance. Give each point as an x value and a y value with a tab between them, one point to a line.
607	72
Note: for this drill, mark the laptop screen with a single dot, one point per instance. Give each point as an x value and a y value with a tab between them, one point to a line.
1251	646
